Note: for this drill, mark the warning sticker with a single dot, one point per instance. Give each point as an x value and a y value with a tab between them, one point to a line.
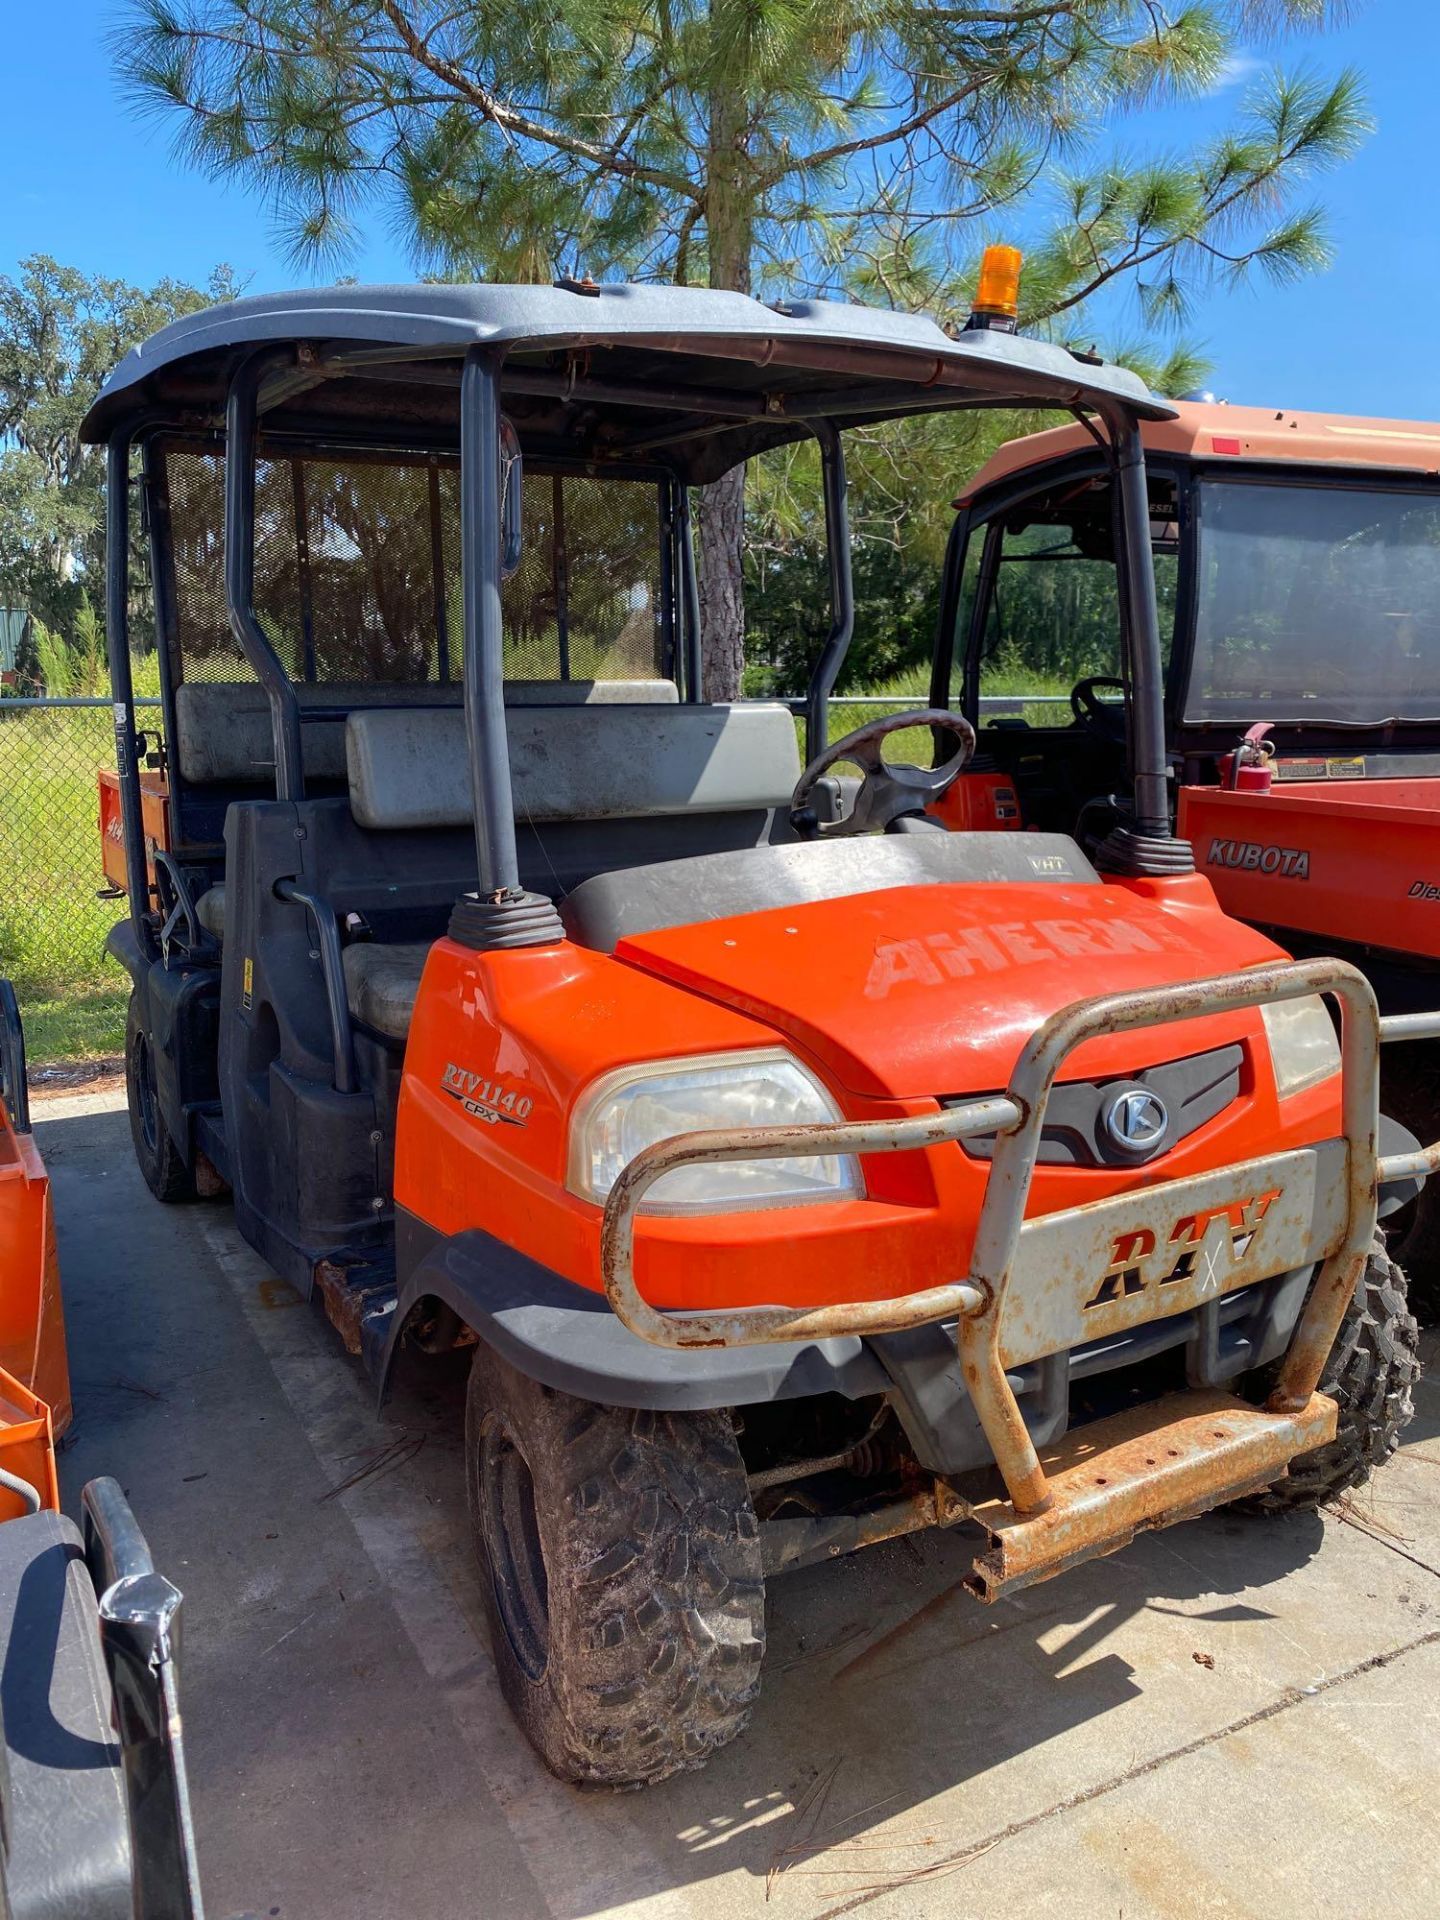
1318	768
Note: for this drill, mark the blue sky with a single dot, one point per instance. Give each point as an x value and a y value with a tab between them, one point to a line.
87	181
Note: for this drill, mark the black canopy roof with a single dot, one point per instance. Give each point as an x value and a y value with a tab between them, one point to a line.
691	378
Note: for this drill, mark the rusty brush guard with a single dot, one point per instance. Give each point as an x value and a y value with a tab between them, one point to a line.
1032	1287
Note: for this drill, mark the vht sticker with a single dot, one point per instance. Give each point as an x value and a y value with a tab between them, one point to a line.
1125	1276
486	1100
1289	863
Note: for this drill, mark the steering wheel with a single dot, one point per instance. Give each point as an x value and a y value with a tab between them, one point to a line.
1098	716
887	793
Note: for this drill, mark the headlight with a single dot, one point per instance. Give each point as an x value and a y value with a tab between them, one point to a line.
634	1107
1303	1047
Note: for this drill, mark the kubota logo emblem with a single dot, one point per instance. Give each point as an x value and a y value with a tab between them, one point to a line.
1131	1253
1137	1120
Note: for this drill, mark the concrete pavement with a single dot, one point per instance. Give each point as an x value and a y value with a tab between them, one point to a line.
1231	1718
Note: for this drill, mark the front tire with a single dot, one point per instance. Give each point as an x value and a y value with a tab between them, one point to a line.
161	1167
1371	1374
620	1560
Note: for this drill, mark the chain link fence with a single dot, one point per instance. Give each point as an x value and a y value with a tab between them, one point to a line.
52	925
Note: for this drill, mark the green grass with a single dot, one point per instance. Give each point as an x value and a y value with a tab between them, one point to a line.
79	1026
914	744
52	927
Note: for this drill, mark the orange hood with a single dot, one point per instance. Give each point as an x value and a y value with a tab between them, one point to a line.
918	992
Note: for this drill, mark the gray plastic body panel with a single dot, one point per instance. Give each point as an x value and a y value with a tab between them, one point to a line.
1193	1091
718	886
566	1336
69	1853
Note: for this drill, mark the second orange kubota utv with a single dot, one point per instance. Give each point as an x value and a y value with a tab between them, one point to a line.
802	1174
1298	560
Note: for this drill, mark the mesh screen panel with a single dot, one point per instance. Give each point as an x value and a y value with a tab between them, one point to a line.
357	573
585	602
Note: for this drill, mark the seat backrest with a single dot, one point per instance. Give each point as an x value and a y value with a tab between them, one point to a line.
411	769
223	734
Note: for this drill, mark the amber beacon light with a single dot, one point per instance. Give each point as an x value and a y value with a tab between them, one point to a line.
997	296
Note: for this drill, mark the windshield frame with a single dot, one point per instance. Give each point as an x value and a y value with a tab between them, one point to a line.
956	660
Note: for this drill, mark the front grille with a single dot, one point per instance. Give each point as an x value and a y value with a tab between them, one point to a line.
1074	1135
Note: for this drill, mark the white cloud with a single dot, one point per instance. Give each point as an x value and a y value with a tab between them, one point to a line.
1236	69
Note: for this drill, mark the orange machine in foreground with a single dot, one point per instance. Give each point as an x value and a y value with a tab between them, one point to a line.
34	1377
990	1182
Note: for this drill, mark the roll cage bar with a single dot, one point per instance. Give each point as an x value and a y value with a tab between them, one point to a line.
269	376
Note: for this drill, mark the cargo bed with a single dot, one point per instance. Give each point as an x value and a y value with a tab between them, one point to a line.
1352	860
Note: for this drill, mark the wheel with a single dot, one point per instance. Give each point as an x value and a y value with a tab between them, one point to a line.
1410	1093
1371	1372
620	1559
164	1172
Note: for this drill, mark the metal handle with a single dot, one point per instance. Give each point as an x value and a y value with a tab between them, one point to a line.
332	968
139	1636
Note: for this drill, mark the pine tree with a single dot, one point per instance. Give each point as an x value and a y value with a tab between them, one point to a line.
757	145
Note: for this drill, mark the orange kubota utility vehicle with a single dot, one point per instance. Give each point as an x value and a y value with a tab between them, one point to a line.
1298	557
802	1173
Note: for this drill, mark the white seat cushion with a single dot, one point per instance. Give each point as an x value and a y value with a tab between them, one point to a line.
410	769
381	983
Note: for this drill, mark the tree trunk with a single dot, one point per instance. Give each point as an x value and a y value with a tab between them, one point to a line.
722	503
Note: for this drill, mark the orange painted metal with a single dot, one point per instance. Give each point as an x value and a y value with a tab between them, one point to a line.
32	1325
979	803
154	814
1355	860
27	1447
896	1000
1206	430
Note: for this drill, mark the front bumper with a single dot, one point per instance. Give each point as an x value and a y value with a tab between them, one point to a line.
1043	1287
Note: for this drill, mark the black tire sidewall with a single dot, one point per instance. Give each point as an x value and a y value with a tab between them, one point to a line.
161	1167
652	1667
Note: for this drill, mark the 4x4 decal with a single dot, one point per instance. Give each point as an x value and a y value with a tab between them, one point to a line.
1126	1275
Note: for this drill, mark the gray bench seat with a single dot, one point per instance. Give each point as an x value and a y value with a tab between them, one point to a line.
223	733
409	769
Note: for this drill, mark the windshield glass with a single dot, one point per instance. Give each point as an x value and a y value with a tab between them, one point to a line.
1316	603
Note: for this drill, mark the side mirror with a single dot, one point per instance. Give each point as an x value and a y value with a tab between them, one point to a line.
512	521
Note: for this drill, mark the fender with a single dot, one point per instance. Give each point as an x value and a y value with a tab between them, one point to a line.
122	943
566	1337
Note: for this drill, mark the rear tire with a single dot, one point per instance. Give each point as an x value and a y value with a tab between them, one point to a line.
1371	1373
161	1167
620	1562
1410	1093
